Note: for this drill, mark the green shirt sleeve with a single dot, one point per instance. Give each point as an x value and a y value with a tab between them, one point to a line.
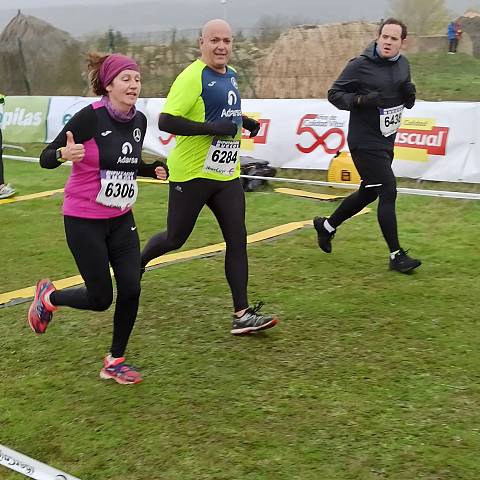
184	93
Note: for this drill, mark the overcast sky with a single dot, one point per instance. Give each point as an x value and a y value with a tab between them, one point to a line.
157	15
382	4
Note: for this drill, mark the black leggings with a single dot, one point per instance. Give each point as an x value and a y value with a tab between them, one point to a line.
227	202
452	45
387	218
95	245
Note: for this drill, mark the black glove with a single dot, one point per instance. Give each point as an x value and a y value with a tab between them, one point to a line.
251	125
371	99
409	92
222	128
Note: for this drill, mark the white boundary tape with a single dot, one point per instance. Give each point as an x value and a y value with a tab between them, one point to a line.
407	191
23	159
29	467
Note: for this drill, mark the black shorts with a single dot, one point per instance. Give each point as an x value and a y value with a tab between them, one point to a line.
374	166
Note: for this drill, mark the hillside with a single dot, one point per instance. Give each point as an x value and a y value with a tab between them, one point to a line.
446	77
300	63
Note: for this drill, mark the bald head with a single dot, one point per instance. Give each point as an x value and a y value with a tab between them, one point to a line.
215	25
216	44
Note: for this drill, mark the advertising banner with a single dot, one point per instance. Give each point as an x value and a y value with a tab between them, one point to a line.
436	140
62	109
24	119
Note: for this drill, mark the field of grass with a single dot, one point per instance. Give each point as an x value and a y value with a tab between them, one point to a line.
442	77
370	374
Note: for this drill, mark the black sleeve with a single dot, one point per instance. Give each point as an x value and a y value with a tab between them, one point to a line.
148	169
409	91
182	126
345	89
83	125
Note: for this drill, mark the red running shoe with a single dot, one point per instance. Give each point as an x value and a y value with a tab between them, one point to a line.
118	370
39	315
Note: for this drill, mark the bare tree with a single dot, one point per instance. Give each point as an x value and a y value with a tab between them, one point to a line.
423	17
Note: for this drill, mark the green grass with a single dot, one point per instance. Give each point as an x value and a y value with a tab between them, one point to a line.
369	375
442	77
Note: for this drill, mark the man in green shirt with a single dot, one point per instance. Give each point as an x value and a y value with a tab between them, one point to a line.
6	190
203	110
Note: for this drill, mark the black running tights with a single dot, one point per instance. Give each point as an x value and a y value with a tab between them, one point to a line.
227	202
95	245
387	218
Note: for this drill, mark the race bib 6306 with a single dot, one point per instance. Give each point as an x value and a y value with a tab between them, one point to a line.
117	189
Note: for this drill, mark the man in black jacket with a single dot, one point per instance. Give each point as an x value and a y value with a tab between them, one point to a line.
374	87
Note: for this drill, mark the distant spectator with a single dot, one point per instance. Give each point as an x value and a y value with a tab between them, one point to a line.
454	32
458	30
6	190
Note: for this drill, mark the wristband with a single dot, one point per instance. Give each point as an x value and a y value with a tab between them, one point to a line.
58	155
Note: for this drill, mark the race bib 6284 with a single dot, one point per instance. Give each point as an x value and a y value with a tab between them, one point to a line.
222	157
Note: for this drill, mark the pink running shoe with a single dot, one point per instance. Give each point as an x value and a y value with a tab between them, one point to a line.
118	370
41	310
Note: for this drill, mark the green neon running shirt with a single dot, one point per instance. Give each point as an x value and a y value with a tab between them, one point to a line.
202	95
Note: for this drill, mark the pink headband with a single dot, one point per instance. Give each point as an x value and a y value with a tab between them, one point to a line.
113	65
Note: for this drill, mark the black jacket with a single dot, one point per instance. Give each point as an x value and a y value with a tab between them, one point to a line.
362	75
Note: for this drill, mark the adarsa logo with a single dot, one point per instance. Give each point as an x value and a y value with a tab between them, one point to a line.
22	118
423	134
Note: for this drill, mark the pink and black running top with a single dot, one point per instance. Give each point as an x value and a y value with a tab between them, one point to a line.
113	150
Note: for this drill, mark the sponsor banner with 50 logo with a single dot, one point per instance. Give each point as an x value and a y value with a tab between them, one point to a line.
436	140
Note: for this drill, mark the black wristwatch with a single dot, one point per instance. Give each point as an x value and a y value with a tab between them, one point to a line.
58	155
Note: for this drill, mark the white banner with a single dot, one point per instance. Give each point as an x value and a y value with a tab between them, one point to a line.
29	467
437	140
61	110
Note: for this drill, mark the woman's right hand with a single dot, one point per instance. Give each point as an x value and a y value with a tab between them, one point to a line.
73	151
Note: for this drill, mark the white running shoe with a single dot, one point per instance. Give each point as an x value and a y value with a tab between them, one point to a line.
6	191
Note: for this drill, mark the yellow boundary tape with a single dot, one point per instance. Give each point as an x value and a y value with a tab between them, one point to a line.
286	191
29	292
48	193
17	296
303	193
31	196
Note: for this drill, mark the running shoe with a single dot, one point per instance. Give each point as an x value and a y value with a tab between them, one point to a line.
39	315
251	321
324	237
403	263
118	370
6	191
